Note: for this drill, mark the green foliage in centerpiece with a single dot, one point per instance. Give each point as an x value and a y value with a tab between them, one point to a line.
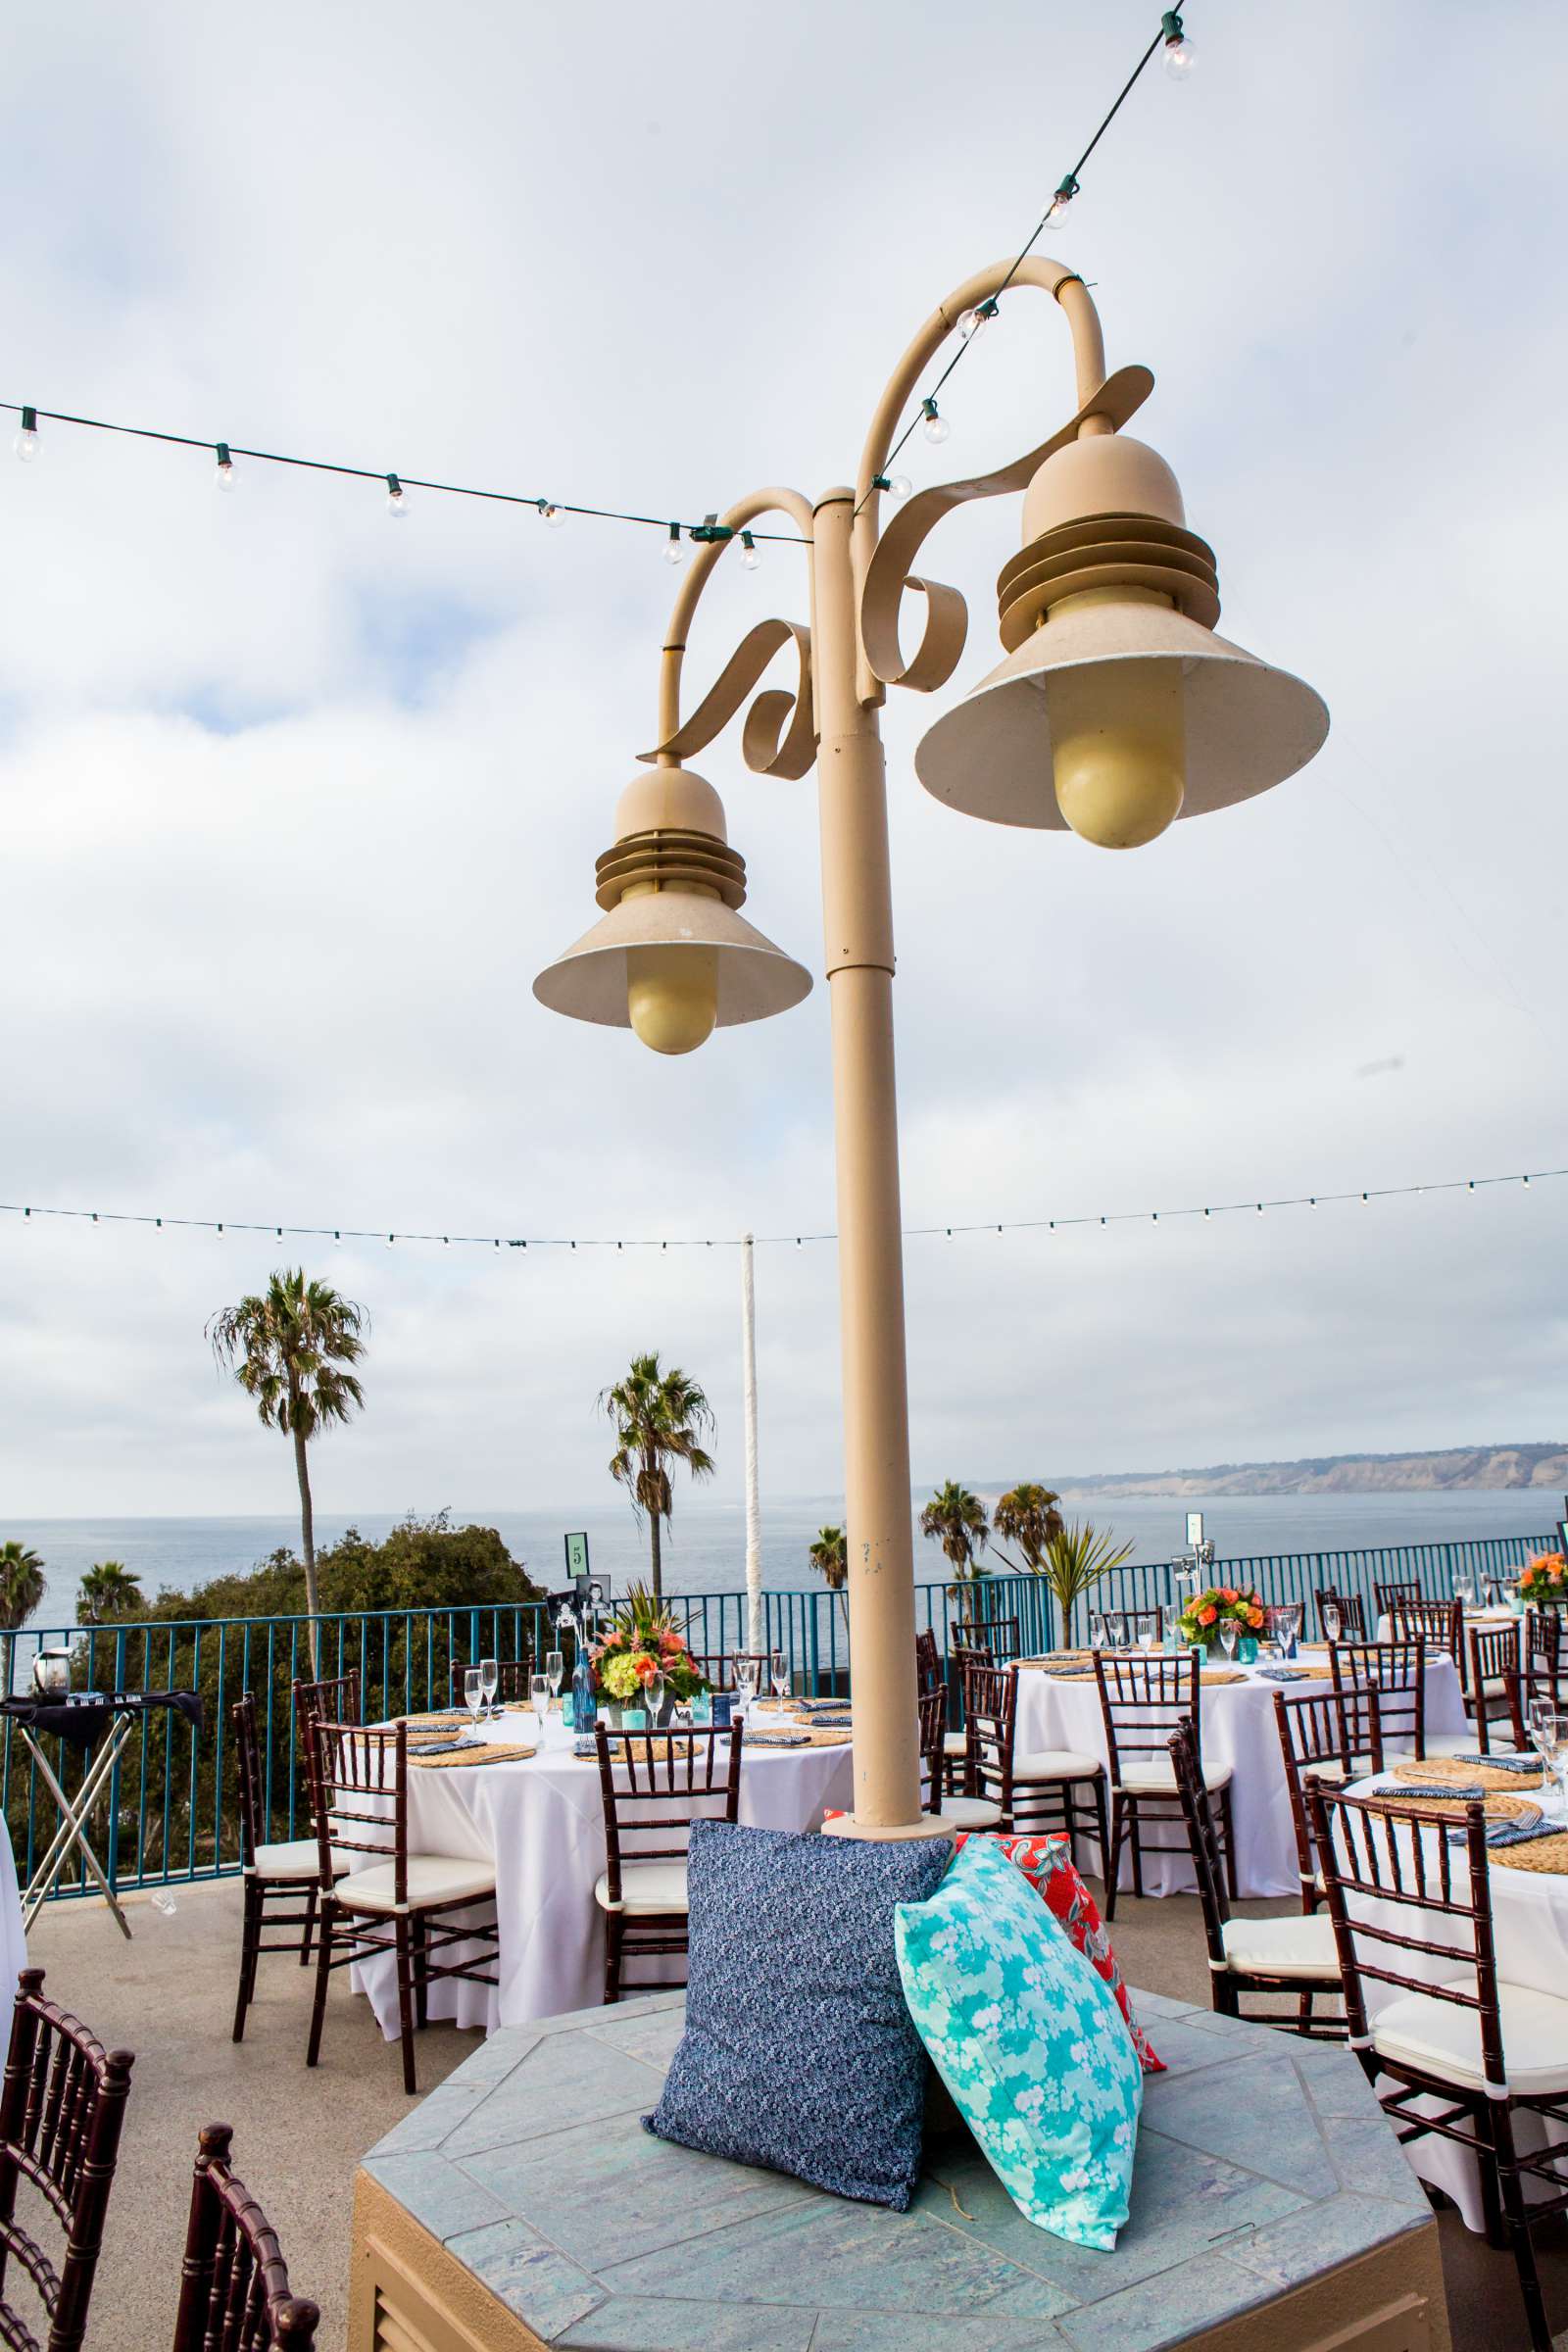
643	1641
1220	1604
1543	1579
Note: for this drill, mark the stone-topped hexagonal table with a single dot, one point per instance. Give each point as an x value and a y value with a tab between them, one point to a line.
522	2205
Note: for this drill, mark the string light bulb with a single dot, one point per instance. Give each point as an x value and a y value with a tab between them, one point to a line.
1180	57
749	557
396	498
223	478
936	427
674	546
973	323
554	515
1057	210
26	443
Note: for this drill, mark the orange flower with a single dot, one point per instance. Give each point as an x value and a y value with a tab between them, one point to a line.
1255	1617
645	1667
1206	1616
1229	1592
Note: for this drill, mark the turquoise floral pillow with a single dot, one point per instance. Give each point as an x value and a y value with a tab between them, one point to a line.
1030	2042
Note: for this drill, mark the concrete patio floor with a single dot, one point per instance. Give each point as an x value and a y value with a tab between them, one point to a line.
169	1996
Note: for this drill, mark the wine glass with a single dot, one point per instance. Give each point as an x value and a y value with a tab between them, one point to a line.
1331	1622
1464	1587
1228	1631
473	1693
555	1671
489	1680
653	1697
539	1699
1538	1713
743	1673
1096	1630
1146	1629
1548	1732
779	1674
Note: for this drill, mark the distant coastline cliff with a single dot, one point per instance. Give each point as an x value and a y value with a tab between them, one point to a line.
1493	1466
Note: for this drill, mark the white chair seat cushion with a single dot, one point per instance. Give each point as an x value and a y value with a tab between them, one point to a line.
646	1888
1301	1945
433	1878
1325	1768
1494	1685
298	1859
971	1812
1441	2038
955	1743
1056	1764
1158	1774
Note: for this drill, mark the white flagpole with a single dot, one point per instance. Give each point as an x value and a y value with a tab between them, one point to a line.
753	1509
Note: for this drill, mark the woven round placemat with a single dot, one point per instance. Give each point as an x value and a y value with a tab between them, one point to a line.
1447	1773
444	1715
1542	1853
1053	1660
804	1729
1221	1674
489	1751
1495	1808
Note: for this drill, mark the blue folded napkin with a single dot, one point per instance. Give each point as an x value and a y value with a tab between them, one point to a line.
443	1747
585	1745
1530	1764
821	1722
1512	1832
777	1739
816	1706
1282	1673
1425	1793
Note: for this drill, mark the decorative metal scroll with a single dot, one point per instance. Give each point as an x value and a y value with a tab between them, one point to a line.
779	736
887	574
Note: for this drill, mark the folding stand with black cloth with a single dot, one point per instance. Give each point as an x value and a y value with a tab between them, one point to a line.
84	1723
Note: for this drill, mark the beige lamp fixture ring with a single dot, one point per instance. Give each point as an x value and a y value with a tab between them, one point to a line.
671	957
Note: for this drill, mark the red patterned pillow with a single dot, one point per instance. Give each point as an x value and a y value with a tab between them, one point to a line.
1047	1863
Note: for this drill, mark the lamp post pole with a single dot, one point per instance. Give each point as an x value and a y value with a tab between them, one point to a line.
858	932
1117	709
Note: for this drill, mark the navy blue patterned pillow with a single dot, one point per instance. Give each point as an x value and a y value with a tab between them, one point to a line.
799	2052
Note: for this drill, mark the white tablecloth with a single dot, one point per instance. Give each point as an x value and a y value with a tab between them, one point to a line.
541	1821
12	1942
1239	1730
1529	1923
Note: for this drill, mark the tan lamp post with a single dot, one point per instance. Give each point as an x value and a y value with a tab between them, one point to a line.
1115	711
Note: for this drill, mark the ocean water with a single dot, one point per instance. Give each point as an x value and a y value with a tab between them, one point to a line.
706	1552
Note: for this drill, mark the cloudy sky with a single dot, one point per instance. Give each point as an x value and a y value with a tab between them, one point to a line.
297	800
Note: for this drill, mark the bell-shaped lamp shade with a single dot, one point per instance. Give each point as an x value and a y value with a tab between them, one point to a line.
1117	709
671	959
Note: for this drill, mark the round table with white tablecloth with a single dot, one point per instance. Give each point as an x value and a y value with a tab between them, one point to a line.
1529	1927
1239	1730
540	1821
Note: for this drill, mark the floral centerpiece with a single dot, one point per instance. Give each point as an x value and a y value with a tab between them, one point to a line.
642	1643
1543	1581
1221	1605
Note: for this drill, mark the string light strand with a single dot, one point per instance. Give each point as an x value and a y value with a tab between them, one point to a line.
1252	1205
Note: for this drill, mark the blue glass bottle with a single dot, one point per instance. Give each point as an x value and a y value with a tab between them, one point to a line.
584	1706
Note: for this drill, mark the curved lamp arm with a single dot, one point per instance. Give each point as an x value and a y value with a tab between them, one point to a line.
780	733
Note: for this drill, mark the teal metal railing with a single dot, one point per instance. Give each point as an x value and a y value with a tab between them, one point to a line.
170	1813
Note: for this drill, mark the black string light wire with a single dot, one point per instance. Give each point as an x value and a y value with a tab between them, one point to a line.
26	1215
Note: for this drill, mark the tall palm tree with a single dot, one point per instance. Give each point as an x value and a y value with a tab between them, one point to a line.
290	1348
659	1417
956	1520
1027	1515
109	1590
21	1583
829	1555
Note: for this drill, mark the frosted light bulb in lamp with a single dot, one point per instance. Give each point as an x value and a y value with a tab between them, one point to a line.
1118	752
223	478
674	546
749	556
554	515
1179	53
936	426
26	443
672	996
396	498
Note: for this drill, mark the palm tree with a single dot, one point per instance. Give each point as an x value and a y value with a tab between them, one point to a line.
829	1555
21	1583
289	1348
1027	1515
956	1519
109	1590
658	1418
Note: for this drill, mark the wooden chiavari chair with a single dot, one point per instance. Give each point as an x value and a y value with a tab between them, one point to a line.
1382	1689
414	1907
337	1699
234	2294
1122	1625
1496	1655
1460	2053
1389	1597
1252	1956
1352	1610
1541	1640
273	1873
928	1672
1439	1624
1311	1731
513	1676
61	2109
997	1638
1034	1790
653	1784
1144	1698
1533	1683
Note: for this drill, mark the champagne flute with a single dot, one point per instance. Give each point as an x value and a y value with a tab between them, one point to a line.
653	1697
489	1680
779	1674
539	1699
1228	1631
1464	1587
1537	1715
555	1671
1096	1630
1331	1622
743	1671
473	1693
